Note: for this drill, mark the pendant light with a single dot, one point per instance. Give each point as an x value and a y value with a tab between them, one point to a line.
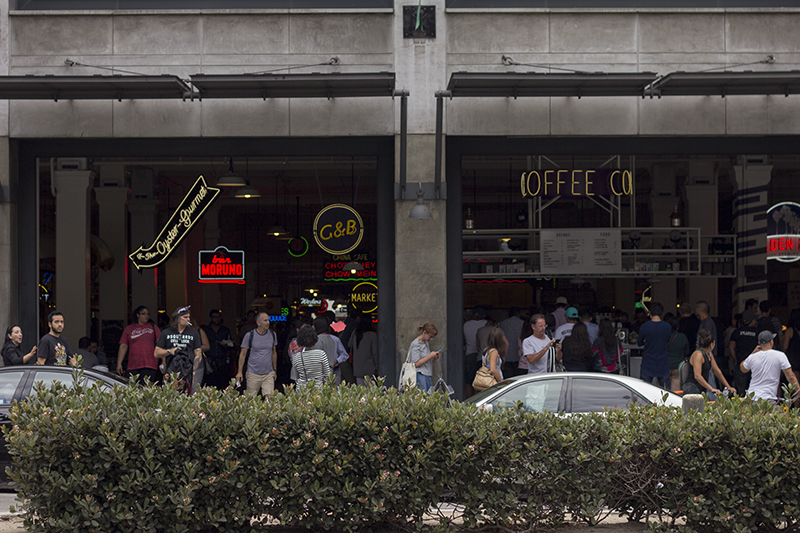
231	179
277	229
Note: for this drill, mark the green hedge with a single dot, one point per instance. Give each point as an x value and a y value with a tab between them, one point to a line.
353	458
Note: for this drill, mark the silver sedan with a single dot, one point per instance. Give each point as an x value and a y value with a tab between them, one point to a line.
572	392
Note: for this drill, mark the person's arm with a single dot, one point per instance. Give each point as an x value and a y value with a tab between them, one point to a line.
123	349
786	338
720	376
533	358
430	357
341	354
242	355
198	358
41	357
493	365
791	378
274	359
326	367
161	353
732	349
697	365
204	344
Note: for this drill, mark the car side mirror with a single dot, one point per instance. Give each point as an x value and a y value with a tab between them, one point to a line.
487	407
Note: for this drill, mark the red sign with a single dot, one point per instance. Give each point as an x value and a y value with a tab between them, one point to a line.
334	270
221	266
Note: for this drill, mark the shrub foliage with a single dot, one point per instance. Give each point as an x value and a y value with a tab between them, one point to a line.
352	458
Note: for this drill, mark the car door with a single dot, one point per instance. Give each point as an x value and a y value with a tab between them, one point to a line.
12	384
546	394
594	394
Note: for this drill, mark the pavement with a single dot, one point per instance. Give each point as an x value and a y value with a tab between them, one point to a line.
11	523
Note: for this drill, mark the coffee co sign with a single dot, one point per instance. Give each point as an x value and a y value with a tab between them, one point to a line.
190	210
338	229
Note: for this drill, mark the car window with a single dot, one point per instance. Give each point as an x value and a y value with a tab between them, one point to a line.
593	395
536	396
8	385
48	377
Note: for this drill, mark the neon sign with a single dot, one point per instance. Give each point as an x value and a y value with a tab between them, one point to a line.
190	210
221	266
551	183
333	271
364	297
338	229
783	232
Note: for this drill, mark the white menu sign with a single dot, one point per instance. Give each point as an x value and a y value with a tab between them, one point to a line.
581	251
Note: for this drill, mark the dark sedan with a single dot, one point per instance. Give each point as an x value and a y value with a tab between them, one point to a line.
16	384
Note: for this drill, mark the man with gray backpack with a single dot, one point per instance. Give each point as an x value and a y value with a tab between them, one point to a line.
262	359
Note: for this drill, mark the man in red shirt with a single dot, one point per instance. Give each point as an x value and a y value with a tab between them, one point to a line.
139	341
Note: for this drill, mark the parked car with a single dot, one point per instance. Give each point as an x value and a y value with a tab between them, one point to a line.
16	384
572	392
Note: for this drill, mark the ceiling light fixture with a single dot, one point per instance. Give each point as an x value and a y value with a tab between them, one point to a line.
231	179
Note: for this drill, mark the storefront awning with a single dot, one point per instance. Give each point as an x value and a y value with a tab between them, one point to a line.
512	84
50	87
335	85
726	83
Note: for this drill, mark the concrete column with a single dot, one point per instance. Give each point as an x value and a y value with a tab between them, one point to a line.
9	313
750	213
113	228
702	212
142	209
73	250
420	283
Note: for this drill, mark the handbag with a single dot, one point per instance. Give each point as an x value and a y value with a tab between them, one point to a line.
483	378
408	374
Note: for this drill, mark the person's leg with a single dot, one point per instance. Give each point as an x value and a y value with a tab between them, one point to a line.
337	373
197	377
644	377
361	381
253	383
268	385
675	380
424	382
664	382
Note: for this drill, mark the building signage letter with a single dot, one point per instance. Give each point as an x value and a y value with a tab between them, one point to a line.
338	229
783	232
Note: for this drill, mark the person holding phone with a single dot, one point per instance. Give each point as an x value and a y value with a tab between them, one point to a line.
421	355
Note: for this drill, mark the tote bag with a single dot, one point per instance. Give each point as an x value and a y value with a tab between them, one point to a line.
408	374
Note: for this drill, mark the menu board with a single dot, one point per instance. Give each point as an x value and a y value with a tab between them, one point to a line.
581	251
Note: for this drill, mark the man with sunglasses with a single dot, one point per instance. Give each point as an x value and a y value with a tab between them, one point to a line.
179	335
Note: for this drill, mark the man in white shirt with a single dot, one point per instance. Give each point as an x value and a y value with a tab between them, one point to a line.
766	365
566	329
536	347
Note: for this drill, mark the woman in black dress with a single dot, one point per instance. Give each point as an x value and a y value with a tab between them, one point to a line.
577	350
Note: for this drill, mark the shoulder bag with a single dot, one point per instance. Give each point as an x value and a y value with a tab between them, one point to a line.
408	374
483	378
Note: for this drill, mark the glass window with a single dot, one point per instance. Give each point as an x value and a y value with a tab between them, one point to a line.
536	396
592	395
8	385
49	376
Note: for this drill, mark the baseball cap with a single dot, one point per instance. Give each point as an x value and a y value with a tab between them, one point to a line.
765	336
748	316
571	312
561	300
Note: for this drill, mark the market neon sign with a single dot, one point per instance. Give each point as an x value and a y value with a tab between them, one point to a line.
221	266
783	232
191	209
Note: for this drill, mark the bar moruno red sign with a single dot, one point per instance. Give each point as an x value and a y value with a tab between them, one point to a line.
783	232
550	183
221	266
338	229
190	210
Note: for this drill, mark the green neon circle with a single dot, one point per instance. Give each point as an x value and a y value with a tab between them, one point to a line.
289	247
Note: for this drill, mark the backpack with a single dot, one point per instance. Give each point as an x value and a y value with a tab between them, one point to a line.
181	364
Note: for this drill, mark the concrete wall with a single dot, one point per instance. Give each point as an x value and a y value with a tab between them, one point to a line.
623	41
188	43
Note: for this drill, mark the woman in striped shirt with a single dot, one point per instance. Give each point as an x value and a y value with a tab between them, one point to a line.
309	365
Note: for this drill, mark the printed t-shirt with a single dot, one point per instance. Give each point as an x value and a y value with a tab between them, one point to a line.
55	350
189	340
260	346
141	341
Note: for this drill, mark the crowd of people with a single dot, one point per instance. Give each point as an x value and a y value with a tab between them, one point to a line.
690	351
741	359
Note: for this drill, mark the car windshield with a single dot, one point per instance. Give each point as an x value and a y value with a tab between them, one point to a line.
491	390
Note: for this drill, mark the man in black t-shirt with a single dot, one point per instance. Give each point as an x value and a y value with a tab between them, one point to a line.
743	341
53	347
179	335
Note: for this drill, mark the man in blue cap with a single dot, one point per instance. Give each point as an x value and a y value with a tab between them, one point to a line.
564	330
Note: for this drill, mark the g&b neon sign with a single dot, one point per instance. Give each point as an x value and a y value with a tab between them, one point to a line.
338	229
